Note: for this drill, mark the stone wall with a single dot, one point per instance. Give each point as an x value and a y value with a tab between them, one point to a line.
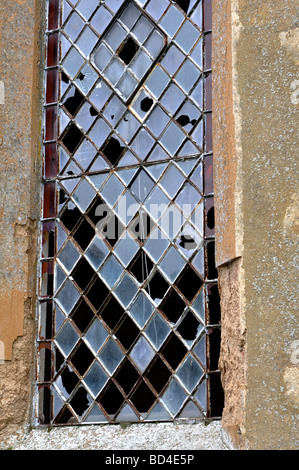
20	137
256	187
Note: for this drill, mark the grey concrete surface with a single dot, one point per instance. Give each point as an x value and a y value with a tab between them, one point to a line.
158	436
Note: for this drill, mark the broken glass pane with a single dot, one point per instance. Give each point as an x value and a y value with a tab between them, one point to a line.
126	267
142	309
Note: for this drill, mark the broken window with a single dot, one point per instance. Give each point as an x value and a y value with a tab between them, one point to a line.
129	311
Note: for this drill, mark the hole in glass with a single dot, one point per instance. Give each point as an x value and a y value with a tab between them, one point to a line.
72	138
65	417
82	316
93	111
183	120
69	380
173	351
112	313
127	333
216	395
112	230
82	358
157	287
97	294
83	274
70	217
142	226
214	342
188	327
212	270
128	50
158	374
173	306
189	283
72	103
113	150
211	218
111	398
184	4
146	104
95	215
62	196
143	398
127	376
187	242
141	266
80	401
84	234
214	305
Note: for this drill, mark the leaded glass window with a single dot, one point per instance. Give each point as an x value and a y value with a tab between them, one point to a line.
128	326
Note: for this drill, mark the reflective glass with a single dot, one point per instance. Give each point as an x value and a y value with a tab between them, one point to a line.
85	154
157	121
172	20
66	338
86	79
96	253
87	8
172	264
142	29
96	335
172	180
72	62
129	16
142	309
172	138
141	64
142	354
125	249
101	19
68	296
102	56
111	356
157	331
187	37
156	245
156	8
125	291
154	44
174	397
96	378
172	60
111	271
187	76
157	82
87	41
84	195
73	26
115	36
190	373
68	256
